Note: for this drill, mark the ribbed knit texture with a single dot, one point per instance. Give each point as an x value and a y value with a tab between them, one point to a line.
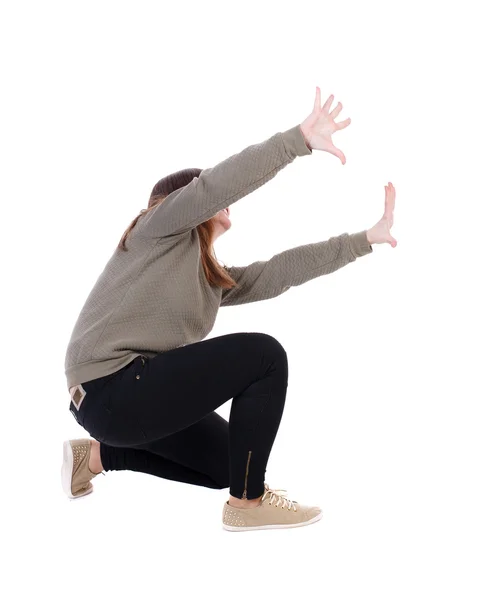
155	297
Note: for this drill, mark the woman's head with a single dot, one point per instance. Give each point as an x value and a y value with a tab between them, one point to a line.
174	181
180	179
208	231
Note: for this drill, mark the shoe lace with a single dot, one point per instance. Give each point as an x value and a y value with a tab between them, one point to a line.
278	496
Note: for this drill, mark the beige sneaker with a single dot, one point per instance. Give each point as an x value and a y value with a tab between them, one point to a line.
75	472
273	512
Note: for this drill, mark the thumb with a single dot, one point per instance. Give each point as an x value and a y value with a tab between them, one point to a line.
328	146
336	152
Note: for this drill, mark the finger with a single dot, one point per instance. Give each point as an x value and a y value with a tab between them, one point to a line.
389	203
343	124
336	110
387	208
328	103
392	198
317	101
393	190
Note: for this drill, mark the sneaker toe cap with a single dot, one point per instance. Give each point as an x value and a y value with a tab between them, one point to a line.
313	511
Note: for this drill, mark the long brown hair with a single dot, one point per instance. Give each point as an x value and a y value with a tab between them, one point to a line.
214	272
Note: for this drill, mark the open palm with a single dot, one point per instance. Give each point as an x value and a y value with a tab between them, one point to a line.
320	125
380	233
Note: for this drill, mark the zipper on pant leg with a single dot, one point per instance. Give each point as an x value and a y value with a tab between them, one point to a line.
246	474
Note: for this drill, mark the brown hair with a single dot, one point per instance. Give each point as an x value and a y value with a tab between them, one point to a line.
215	273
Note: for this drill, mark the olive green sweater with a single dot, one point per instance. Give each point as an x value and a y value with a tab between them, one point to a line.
155	296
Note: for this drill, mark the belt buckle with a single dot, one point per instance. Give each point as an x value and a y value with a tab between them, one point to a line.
77	396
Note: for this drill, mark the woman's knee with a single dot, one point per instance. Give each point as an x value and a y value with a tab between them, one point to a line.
271	346
272	352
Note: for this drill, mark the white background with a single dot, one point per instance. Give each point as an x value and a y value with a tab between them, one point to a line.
392	415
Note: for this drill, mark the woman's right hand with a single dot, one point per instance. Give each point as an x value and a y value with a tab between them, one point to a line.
380	233
320	125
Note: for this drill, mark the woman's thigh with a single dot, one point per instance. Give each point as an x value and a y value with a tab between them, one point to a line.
178	388
203	447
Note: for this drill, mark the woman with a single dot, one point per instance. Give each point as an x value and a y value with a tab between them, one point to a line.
143	380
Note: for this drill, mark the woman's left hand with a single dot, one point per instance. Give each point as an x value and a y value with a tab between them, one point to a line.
320	125
380	233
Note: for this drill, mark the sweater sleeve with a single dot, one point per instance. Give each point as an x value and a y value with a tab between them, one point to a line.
262	280
218	187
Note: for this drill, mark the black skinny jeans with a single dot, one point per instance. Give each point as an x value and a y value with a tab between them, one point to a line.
157	415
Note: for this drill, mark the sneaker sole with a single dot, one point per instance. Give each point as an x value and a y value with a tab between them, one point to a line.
67	472
277	526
